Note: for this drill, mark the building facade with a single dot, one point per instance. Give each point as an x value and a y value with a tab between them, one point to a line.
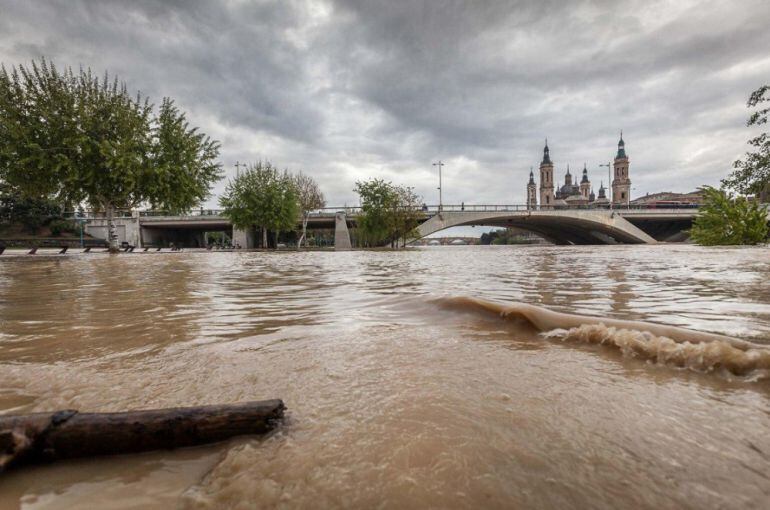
546	179
621	184
531	192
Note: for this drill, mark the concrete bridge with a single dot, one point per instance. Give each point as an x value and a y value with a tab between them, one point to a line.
582	225
570	226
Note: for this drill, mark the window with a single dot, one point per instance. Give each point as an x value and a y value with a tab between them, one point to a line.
623	195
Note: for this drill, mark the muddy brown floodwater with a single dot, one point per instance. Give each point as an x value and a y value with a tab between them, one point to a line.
405	386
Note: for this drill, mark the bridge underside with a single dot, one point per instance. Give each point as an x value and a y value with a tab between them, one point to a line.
184	237
666	230
571	233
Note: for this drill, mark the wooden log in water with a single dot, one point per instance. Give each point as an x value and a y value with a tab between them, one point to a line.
44	437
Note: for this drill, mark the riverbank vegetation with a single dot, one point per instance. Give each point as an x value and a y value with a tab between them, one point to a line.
80	139
725	219
309	199
271	200
507	236
728	220
752	172
389	213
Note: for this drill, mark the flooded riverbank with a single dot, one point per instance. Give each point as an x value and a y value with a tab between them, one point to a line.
396	396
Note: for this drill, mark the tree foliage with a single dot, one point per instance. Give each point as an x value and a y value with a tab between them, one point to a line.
30	212
727	220
389	213
752	173
84	139
262	197
310	198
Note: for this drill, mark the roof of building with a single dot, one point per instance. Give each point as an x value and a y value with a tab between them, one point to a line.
621	148
693	196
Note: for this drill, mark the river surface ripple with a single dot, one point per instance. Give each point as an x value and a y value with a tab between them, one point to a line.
393	400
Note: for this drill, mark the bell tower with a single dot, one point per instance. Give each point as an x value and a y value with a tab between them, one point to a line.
531	192
546	179
621	184
585	184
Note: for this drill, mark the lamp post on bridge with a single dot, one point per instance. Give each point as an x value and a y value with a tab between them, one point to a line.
609	181
440	201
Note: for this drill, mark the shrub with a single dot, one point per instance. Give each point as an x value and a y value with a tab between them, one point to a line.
727	220
59	226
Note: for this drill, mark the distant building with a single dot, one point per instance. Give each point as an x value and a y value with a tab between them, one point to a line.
531	192
546	179
621	184
669	197
579	193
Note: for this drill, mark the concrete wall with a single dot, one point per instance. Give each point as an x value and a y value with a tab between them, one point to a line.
246	239
341	234
127	230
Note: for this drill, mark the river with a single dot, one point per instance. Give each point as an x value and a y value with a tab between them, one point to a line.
403	389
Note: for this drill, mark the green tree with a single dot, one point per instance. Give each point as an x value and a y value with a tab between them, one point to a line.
264	198
378	199
752	174
30	212
309	198
406	214
389	213
727	220
82	139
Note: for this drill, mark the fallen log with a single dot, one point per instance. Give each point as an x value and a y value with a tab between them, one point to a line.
45	437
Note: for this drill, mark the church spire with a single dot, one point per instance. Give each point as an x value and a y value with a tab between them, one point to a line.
585	174
546	154
531	176
621	147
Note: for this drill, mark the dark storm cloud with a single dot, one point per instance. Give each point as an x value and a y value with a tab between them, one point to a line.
351	89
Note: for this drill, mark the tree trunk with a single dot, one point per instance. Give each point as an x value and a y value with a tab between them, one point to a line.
303	238
276	239
42	437
264	238
112	236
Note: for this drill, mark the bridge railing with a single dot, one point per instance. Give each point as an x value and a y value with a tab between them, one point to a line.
429	210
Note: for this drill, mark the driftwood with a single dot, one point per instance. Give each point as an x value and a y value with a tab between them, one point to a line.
32	251
63	250
44	437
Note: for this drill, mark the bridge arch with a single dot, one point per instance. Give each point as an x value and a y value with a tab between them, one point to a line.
558	226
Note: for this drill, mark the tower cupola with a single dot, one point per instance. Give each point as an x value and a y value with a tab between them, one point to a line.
621	148
546	154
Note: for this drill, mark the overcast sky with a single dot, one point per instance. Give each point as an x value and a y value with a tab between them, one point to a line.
347	90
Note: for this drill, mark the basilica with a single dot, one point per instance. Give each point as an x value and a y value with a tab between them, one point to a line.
579	193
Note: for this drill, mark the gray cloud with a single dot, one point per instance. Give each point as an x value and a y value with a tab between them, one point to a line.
350	89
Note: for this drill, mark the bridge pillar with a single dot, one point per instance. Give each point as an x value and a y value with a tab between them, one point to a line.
341	234
245	238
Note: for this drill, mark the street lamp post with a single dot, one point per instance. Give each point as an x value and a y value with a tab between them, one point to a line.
238	166
609	181
440	201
